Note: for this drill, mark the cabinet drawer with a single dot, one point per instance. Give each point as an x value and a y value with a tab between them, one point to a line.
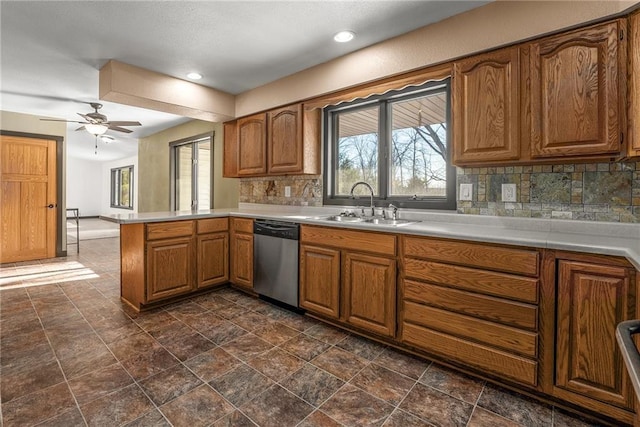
471	279
479	356
242	225
384	244
166	230
481	255
476	305
493	334
212	225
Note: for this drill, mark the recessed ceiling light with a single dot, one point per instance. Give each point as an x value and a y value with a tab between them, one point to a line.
344	36
194	76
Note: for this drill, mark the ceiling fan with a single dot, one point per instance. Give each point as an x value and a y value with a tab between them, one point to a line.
97	124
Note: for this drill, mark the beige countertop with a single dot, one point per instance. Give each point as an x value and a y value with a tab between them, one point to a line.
605	238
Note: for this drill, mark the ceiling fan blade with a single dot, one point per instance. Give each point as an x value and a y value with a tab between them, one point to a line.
60	120
80	128
117	123
87	118
119	129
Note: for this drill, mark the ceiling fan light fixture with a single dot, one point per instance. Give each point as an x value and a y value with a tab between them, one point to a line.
344	36
96	129
194	76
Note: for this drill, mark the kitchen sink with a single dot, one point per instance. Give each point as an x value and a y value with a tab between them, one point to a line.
364	220
342	218
390	221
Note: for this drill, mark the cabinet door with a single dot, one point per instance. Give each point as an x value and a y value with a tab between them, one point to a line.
485	108
575	93
252	145
285	140
320	280
242	259
370	293
634	85
170	268
592	300
213	259
230	152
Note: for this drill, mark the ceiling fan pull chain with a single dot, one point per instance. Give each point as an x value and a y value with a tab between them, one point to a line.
96	151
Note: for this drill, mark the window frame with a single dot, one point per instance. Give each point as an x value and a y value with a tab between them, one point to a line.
385	103
116	183
193	141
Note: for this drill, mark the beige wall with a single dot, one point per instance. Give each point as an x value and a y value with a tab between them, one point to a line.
19	122
153	168
496	24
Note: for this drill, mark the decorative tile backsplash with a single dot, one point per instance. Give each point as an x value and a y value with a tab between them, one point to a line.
589	192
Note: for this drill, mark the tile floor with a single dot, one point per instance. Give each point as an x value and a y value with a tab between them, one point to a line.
72	355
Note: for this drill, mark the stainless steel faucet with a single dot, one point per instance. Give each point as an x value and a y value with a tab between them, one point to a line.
373	212
394	214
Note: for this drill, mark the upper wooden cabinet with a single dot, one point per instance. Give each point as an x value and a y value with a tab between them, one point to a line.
486	118
252	145
634	85
575	94
284	141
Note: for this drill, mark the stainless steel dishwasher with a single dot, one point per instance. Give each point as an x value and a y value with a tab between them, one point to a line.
275	260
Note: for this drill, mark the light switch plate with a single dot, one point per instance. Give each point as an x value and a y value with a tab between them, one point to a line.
508	192
287	191
466	191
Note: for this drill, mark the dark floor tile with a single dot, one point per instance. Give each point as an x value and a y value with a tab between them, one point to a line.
153	418
276	333
204	321
214	301
436	407
562	418
37	407
277	364
277	407
362	347
246	347
319	419
383	383
515	407
20	350
22	380
116	408
143	365
70	346
234	419
169	384
17	326
188	346
312	384
273	312
199	407
186	309
212	364
224	332
66	330
241	385
299	322
124	331
152	320
305	347
456	384
402	363
87	361
231	311
99	383
129	346
483	418
353	407
326	333
340	363
251	321
70	418
403	419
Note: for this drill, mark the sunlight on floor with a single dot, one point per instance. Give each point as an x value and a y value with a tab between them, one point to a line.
44	274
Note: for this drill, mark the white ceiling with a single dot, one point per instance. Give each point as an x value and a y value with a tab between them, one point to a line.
52	51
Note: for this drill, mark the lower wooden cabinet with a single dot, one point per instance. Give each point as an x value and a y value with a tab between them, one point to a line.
320	280
170	269
213	259
241	252
591	300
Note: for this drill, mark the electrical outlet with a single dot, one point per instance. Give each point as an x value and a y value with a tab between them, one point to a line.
466	191
508	192
287	191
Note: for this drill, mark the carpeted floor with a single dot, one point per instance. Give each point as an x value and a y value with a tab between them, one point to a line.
92	228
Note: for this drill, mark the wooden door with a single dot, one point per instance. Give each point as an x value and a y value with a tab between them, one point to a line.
634	85
242	259
320	280
592	299
370	293
28	198
486	121
213	259
170	268
252	145
285	140
575	93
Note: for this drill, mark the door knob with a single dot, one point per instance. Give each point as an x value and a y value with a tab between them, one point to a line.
50	206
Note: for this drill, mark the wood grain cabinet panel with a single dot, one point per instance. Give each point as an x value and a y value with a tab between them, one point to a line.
591	300
241	252
320	280
213	259
370	293
167	230
170	268
486	114
575	93
634	85
230	149
285	140
252	145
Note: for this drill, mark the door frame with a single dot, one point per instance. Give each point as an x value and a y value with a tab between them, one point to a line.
60	218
